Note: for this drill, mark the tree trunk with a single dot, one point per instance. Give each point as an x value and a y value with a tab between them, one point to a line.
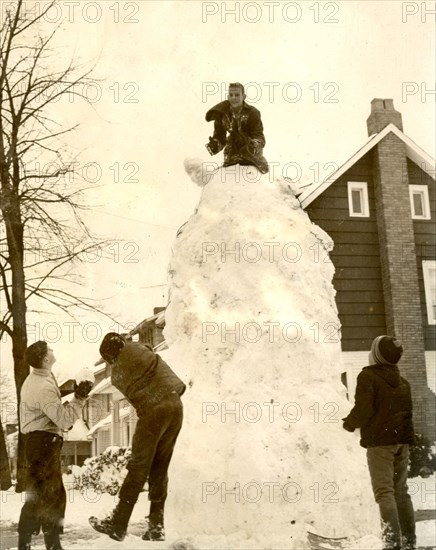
14	234
5	474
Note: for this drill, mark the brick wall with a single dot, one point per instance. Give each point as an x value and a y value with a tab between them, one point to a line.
382	114
399	274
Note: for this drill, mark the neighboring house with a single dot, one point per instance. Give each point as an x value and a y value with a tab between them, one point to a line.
76	447
111	419
98	410
379	209
150	331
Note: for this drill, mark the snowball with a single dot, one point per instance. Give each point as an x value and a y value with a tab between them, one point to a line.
199	171
85	374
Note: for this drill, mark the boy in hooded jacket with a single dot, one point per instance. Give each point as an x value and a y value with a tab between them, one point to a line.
383	412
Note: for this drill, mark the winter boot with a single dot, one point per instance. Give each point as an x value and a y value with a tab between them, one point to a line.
24	541
409	542
107	526
52	541
155	530
115	525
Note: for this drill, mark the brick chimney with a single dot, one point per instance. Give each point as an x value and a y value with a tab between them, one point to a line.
382	114
397	253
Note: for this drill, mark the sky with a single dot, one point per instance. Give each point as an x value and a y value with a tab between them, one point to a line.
311	68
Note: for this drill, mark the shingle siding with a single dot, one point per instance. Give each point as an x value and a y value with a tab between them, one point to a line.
378	262
425	245
356	258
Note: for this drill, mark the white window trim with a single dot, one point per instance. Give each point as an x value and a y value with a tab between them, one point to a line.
426	266
423	190
360	186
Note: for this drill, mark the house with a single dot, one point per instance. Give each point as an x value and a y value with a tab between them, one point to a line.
150	331
76	447
379	209
110	417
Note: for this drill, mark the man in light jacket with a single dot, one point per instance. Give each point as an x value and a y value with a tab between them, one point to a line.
43	419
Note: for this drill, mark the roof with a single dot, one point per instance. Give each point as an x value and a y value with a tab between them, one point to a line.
157	319
105	386
128	411
413	151
160	347
105	422
99	366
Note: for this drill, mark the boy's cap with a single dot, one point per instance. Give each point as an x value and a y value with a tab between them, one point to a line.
386	350
111	346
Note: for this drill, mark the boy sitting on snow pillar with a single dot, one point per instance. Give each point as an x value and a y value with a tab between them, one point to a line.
383	412
238	130
154	390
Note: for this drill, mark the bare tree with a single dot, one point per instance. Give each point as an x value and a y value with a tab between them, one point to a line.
42	230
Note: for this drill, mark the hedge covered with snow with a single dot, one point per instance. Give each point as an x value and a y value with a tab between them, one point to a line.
103	473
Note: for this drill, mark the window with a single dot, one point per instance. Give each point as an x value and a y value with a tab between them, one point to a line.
358	199
429	273
419	202
103	440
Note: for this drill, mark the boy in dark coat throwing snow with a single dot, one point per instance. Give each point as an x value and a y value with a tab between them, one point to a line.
238	130
154	390
383	412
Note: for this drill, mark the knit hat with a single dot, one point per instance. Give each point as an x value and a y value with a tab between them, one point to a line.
36	353
111	346
386	350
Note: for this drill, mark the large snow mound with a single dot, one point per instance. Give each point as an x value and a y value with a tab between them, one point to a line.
252	325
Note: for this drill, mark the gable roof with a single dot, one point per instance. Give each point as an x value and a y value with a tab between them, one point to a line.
105	386
157	319
413	151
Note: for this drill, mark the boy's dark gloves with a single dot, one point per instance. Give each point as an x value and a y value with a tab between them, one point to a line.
214	146
253	147
81	391
347	426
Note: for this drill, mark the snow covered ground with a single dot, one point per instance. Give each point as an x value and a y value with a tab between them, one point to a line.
79	536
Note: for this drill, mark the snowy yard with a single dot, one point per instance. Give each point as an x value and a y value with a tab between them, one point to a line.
79	535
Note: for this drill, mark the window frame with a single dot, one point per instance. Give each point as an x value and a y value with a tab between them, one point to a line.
361	186
423	191
427	265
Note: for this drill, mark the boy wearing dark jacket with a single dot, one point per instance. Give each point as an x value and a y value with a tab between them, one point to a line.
383	412
154	390
238	130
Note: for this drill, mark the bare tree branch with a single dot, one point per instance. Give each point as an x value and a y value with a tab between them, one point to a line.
37	208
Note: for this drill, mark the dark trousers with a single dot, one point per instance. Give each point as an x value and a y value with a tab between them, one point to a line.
388	469
152	448
45	493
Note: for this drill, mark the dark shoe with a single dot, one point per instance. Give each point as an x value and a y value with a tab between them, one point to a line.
24	541
409	542
52	541
154	532
108	527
